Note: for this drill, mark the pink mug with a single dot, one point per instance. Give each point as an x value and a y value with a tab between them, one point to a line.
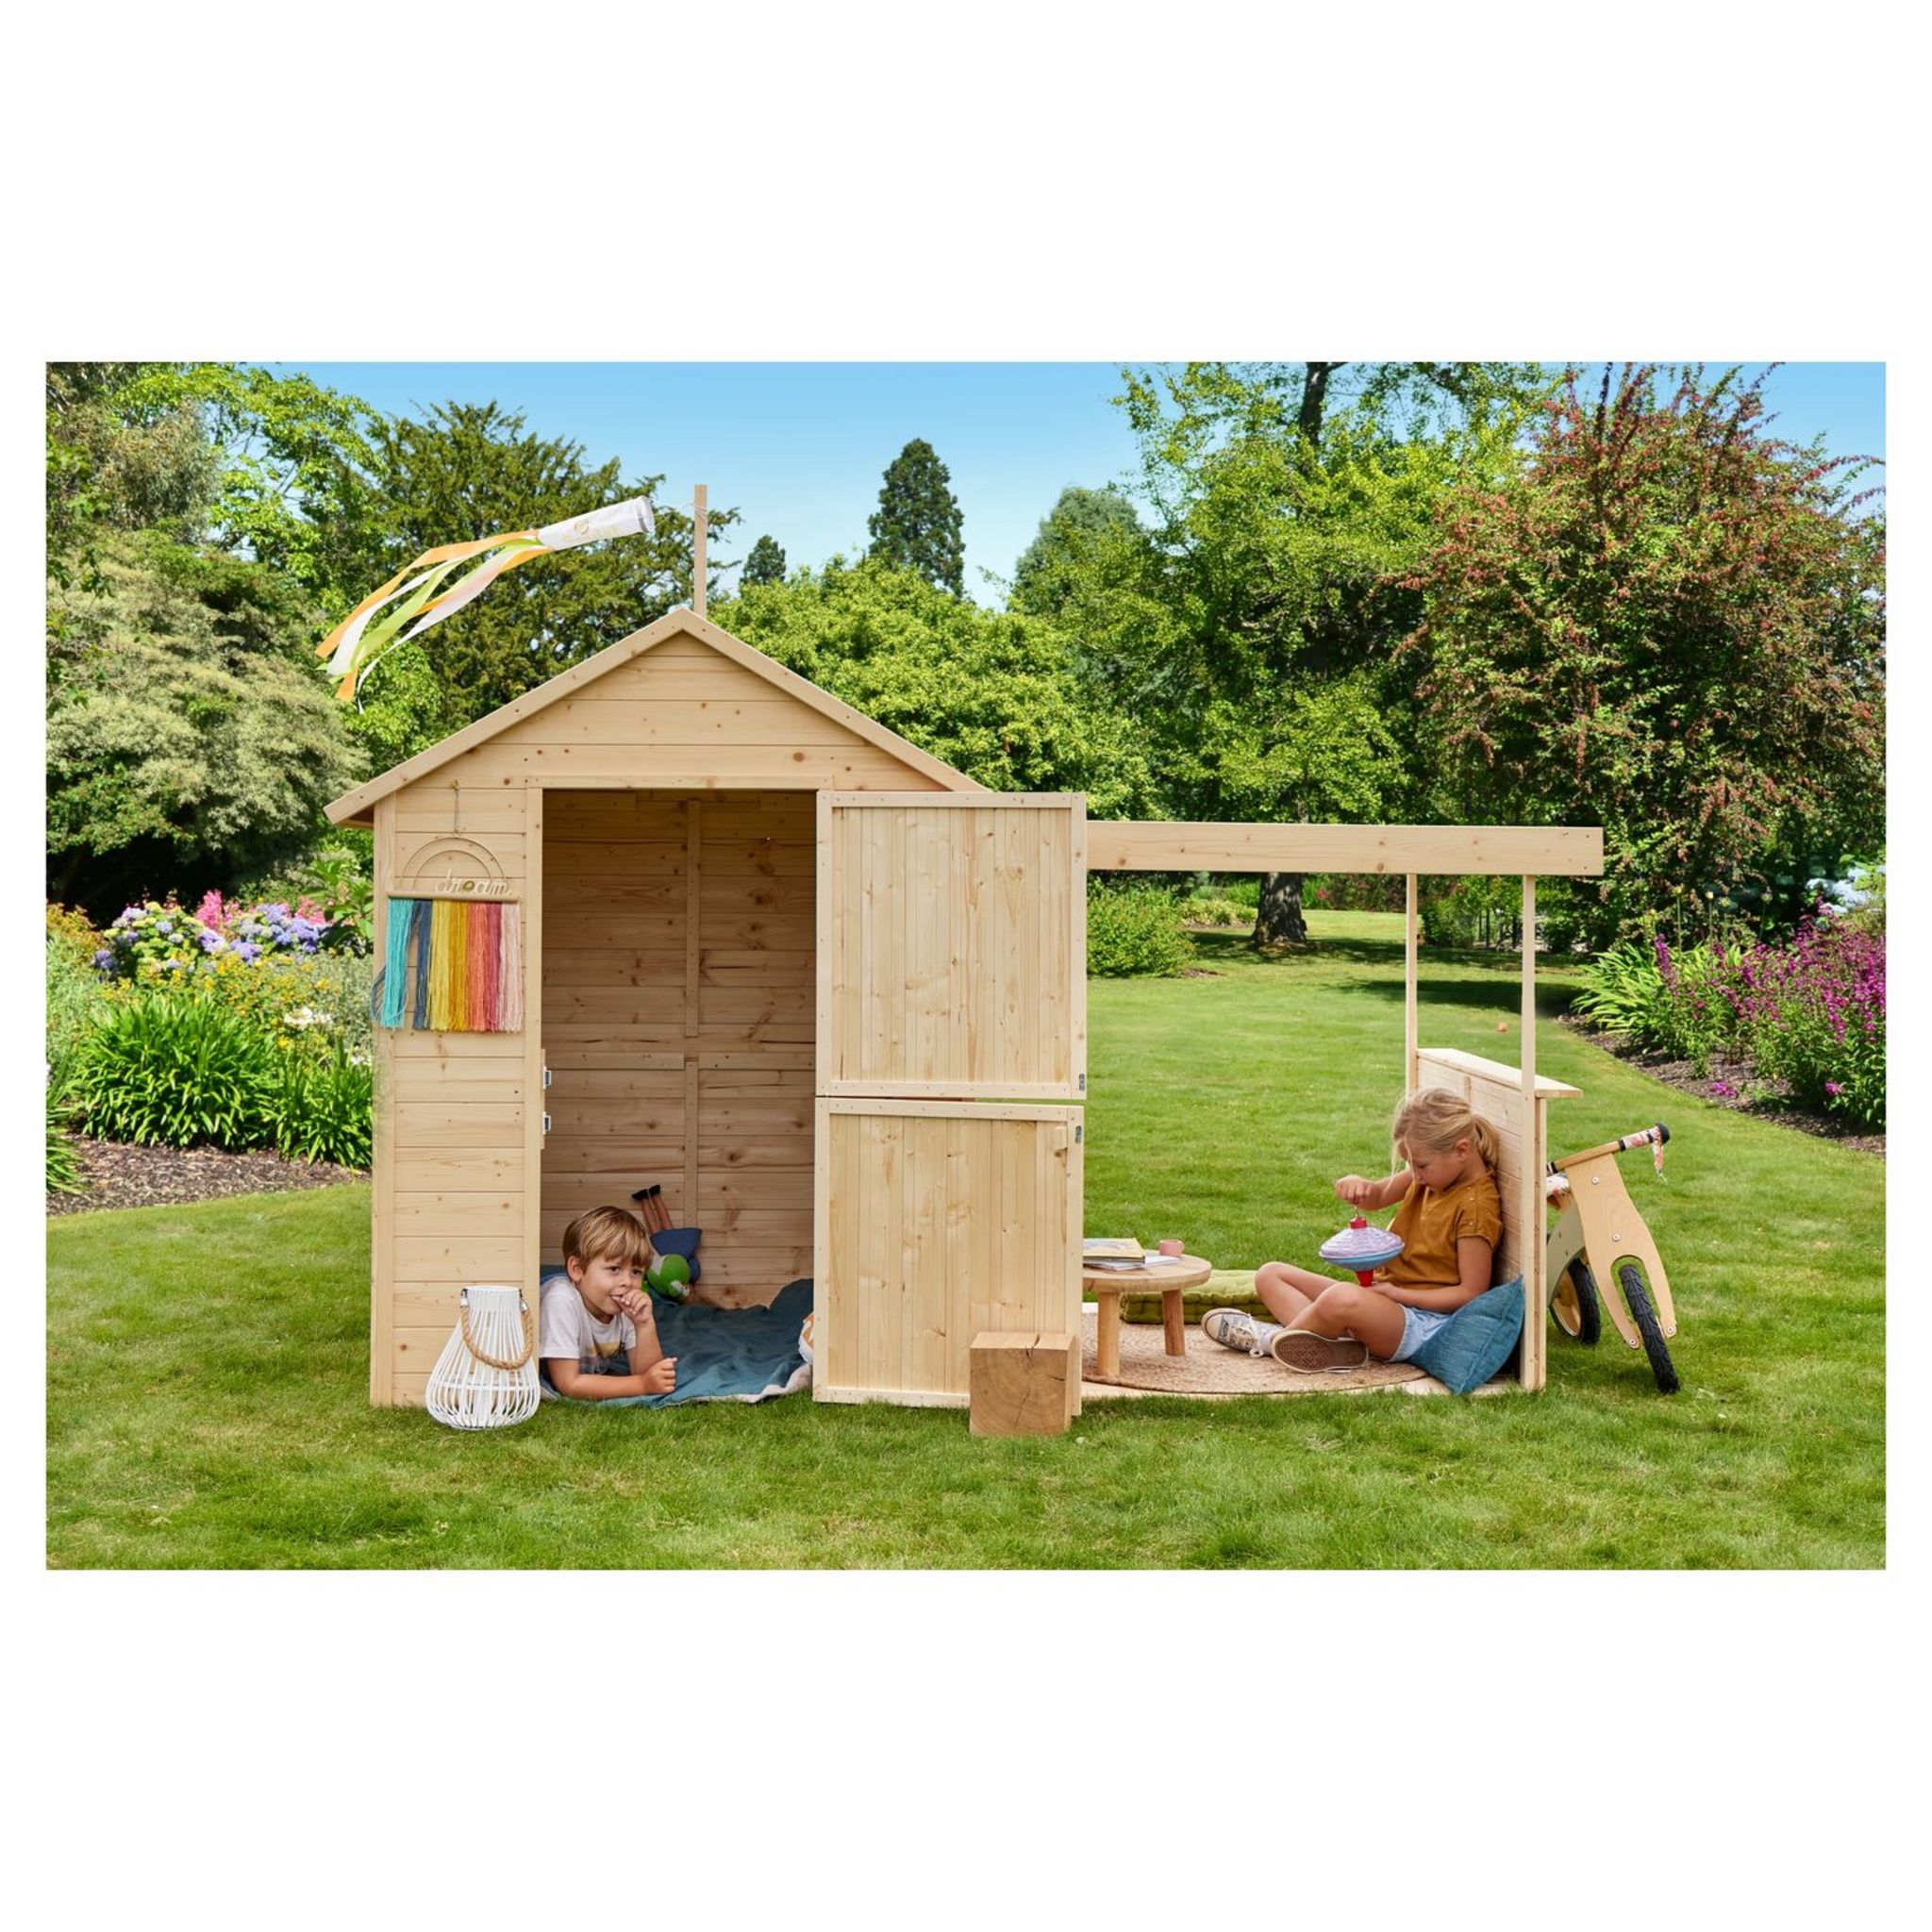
1172	1247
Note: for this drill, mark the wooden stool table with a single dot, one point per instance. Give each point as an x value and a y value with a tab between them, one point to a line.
1109	1284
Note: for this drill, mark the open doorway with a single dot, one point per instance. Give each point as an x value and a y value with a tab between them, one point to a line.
677	1018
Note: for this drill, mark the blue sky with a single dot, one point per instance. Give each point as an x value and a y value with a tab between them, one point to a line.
800	447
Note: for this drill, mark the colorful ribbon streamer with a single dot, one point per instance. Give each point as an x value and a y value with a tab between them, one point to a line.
420	600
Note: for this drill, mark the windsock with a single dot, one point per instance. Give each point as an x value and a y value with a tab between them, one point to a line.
422	593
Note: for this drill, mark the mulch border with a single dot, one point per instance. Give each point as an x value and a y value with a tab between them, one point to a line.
1729	1084
119	1175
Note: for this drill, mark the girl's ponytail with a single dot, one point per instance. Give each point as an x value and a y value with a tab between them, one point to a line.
1434	1120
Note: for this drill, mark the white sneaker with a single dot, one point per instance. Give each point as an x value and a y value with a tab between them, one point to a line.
1234	1328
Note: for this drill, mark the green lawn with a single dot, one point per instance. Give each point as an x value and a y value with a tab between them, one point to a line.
207	1367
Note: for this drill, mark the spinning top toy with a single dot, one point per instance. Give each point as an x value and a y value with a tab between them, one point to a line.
1362	1248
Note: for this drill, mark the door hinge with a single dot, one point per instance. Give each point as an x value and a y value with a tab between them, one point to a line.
546	1122
1083	1083
1079	1131
547	1078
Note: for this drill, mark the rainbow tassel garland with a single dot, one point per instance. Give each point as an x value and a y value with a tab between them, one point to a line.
451	966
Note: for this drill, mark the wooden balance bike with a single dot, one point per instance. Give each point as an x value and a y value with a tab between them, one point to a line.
1600	1236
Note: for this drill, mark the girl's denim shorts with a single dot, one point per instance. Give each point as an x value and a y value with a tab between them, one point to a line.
1418	1324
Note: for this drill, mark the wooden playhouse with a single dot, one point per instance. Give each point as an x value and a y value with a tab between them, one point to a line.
826	989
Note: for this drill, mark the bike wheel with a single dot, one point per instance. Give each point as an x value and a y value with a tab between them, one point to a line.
1575	1307
1630	1278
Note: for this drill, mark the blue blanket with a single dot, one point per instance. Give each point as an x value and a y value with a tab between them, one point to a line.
727	1355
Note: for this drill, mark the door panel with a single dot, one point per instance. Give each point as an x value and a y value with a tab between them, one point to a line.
938	1221
952	945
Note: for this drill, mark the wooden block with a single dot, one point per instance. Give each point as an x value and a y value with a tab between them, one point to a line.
1024	1384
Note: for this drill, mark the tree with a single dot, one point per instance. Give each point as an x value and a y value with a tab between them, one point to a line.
190	737
1081	518
1670	624
272	467
470	471
916	524
765	565
998	697
119	461
1254	629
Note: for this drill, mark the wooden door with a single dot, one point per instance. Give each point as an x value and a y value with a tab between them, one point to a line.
952	945
952	1056
939	1220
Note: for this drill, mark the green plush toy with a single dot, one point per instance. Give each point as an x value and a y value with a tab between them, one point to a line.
670	1274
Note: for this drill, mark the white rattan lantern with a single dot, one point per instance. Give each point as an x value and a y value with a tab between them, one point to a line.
486	1378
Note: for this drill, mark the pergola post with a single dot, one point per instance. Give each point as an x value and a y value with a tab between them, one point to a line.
1530	1206
1411	1037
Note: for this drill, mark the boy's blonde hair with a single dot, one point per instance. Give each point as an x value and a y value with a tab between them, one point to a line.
1434	1120
607	1233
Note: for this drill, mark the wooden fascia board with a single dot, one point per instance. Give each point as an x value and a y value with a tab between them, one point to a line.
354	808
1179	845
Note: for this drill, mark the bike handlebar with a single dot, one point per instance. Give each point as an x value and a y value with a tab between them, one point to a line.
1645	1137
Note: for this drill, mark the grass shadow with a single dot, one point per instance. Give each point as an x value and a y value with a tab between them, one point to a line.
1487	994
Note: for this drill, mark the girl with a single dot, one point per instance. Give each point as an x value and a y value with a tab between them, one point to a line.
1450	1219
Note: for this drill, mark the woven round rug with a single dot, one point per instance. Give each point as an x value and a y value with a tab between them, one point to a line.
1207	1369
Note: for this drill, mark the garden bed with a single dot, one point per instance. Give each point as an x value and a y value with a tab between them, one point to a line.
1732	1084
118	1175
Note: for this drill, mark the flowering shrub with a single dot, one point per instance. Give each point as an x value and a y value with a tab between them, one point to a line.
1696	1016
236	1024
312	1002
161	940
1809	1011
1812	1013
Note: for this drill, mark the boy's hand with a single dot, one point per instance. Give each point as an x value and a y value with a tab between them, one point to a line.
635	1303
1356	1192
660	1378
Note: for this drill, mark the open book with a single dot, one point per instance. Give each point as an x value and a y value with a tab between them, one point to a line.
1110	1248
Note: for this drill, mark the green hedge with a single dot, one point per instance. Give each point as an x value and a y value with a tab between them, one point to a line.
1134	930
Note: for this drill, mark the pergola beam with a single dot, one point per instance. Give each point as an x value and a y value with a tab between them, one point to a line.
1182	846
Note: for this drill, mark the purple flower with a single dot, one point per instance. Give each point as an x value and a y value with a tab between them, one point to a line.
1722	1087
246	949
102	959
1833	1088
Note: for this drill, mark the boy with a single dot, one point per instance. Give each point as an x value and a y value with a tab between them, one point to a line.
597	1308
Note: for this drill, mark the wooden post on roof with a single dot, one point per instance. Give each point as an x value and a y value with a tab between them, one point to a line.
697	552
1412	1039
1530	1207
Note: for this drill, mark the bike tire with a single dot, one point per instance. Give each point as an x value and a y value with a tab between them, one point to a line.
1630	1278
1583	1298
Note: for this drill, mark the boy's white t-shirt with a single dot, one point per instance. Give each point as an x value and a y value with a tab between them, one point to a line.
567	1329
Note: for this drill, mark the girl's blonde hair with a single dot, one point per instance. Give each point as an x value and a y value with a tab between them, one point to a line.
1434	1120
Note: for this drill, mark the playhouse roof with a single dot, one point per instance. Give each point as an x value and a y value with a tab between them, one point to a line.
356	808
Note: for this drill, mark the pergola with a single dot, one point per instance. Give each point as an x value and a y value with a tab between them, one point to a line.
1526	851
